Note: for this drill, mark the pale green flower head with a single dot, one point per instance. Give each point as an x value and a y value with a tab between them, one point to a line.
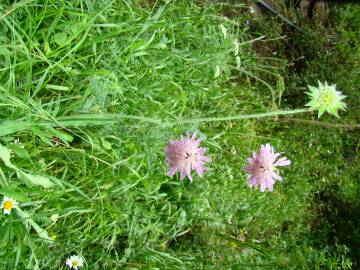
325	98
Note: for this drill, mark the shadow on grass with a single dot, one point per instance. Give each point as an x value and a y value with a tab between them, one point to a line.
337	223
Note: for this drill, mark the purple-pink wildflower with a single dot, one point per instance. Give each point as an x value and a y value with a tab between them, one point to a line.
262	168
185	155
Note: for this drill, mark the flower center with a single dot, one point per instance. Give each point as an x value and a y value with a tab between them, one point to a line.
326	97
266	169
8	205
75	263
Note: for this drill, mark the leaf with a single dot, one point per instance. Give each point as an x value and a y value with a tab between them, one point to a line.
223	30
57	87
253	247
15	193
46	138
161	46
30	178
26	218
36	179
60	38
73	28
4	51
280	85
144	46
19	151
66	138
138	44
9	127
105	143
5	156
140	53
217	72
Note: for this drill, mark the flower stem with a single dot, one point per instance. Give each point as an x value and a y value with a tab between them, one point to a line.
243	116
101	119
10	127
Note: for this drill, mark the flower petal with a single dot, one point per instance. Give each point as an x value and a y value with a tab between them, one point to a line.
171	171
276	176
253	181
199	169
282	162
263	186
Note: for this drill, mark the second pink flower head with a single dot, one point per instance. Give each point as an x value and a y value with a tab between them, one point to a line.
262	167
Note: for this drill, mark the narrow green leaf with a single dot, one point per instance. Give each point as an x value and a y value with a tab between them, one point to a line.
46	138
57	87
66	138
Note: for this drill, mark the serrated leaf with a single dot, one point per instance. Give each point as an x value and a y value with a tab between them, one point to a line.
36	179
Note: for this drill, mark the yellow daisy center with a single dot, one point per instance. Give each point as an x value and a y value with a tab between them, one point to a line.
8	205
75	263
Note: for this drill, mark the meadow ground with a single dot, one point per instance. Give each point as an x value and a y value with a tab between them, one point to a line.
91	93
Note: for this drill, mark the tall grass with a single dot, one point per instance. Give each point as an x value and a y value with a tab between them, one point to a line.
158	63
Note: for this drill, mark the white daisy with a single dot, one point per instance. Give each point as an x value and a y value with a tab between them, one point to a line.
8	204
74	262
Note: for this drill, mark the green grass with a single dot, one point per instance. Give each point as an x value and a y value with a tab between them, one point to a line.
153	65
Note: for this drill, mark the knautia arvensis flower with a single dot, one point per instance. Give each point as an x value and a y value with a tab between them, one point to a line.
325	98
185	155
262	168
8	204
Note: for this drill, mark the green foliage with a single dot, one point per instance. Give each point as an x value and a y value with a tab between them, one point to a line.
95	185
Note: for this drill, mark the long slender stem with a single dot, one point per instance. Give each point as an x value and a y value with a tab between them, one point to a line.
243	116
105	118
9	127
100	119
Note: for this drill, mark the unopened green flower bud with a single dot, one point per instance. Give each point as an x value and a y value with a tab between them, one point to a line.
325	98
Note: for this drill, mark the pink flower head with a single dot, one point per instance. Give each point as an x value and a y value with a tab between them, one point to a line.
185	155
262	167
